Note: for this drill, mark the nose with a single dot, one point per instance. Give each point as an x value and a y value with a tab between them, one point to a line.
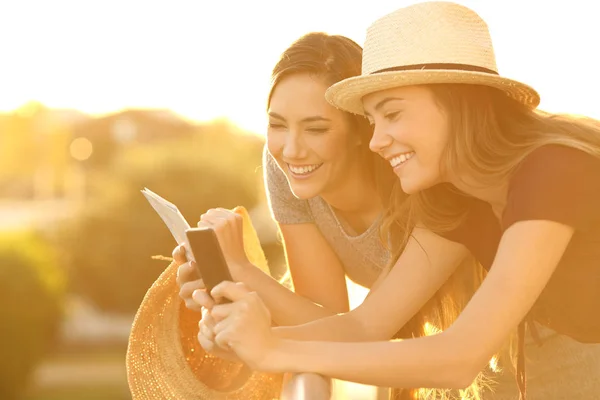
293	148
380	139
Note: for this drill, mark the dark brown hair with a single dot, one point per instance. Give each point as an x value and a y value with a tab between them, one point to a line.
333	58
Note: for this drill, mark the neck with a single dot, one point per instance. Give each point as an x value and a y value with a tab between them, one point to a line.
495	195
354	194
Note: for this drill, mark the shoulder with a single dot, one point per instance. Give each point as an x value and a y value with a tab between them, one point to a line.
285	207
554	182
554	166
555	155
275	178
269	164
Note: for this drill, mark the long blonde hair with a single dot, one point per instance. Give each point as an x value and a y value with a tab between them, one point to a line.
490	136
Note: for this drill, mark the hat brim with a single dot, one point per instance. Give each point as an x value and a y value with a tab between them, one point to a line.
347	95
164	359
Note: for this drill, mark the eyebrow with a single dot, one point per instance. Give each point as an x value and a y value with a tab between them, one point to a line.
315	118
379	105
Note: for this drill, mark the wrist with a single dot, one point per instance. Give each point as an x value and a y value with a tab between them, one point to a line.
240	270
289	355
279	356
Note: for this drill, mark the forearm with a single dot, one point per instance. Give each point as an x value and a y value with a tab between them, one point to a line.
287	308
336	328
431	362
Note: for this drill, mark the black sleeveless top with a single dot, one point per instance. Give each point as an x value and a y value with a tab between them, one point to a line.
561	184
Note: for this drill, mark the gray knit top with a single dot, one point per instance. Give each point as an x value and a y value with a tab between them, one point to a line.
362	256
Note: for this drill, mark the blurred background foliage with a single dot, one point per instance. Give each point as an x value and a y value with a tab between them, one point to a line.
32	286
77	237
107	248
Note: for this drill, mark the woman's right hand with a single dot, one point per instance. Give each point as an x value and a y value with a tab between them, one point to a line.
206	337
188	279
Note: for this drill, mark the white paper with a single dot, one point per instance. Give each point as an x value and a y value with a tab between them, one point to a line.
171	216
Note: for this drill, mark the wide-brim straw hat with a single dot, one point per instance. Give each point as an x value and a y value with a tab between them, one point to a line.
427	43
164	359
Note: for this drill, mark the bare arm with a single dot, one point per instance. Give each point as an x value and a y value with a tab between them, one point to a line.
427	262
453	358
318	277
317	274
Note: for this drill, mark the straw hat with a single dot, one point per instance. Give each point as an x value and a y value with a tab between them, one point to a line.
426	43
164	359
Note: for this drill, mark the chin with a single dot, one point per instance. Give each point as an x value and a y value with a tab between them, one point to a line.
413	186
303	190
304	193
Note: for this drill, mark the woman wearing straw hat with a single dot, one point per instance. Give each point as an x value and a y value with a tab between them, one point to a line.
487	174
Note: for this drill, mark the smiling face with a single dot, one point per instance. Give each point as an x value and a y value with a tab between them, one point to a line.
411	132
311	140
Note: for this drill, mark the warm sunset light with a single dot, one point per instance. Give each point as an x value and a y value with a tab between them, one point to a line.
213	59
103	102
81	149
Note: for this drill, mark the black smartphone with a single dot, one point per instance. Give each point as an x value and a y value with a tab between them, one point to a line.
210	262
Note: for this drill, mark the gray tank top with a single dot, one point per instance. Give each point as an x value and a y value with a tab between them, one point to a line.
363	256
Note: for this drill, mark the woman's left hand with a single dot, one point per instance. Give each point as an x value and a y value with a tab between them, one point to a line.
228	227
244	325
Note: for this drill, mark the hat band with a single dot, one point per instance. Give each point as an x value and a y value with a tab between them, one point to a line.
451	66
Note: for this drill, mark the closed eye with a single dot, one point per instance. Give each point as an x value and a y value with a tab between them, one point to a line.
273	125
392	116
317	130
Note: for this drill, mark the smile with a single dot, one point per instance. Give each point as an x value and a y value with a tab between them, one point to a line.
303	169
401	159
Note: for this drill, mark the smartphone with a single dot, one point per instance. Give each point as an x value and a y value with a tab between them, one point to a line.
210	262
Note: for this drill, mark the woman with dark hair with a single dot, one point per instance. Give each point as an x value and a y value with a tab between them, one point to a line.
326	189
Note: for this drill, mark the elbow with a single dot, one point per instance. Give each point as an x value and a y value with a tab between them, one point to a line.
370	335
332	308
465	367
454	376
470	371
361	330
373	334
369	329
459	376
370	332
462	379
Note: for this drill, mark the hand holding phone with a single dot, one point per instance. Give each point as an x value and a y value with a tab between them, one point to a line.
210	261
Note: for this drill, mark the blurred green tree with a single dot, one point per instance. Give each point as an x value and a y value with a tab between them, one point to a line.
31	297
108	247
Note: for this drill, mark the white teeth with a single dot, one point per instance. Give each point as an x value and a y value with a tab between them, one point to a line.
303	170
401	159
